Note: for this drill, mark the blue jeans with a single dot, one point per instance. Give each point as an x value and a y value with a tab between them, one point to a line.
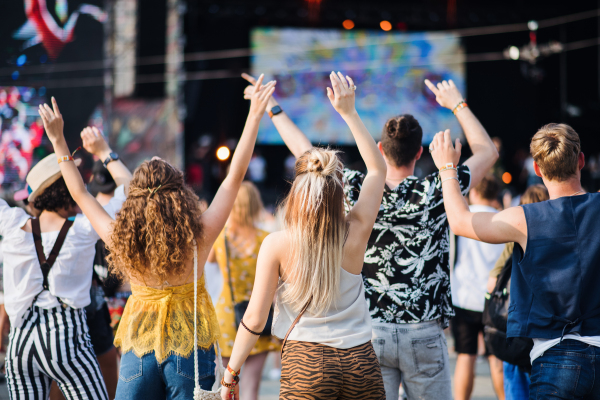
173	379
566	371
516	382
417	356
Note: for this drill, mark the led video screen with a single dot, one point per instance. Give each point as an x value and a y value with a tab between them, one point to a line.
21	132
388	69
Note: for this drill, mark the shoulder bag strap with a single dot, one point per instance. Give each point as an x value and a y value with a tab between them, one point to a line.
293	325
227	256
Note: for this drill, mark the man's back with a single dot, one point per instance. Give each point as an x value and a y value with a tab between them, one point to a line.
406	269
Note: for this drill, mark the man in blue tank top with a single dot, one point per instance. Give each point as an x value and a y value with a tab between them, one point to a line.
554	289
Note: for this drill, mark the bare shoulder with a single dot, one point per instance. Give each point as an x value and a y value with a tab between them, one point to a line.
274	243
515	216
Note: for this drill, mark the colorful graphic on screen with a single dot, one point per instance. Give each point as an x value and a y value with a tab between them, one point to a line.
21	133
42	28
388	69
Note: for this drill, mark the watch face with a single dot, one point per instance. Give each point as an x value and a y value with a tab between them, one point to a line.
276	110
114	156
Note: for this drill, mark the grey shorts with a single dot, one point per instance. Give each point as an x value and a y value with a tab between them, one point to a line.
417	356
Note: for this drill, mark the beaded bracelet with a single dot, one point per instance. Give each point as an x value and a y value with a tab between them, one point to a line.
459	107
236	380
449	179
65	158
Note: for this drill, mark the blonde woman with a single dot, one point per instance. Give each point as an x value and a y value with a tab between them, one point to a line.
236	251
313	267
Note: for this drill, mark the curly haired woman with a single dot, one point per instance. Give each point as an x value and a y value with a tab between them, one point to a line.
314	269
151	242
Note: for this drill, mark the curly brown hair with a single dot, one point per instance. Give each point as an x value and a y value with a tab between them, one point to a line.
153	233
55	197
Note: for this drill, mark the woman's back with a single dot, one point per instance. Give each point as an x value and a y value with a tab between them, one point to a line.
344	325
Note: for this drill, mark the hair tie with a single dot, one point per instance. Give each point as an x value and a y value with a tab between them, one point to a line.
152	191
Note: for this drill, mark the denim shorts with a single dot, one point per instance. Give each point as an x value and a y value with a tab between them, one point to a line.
146	379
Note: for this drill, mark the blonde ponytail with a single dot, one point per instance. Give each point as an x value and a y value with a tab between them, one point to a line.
315	222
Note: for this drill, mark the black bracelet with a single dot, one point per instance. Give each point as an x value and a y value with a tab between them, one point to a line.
248	329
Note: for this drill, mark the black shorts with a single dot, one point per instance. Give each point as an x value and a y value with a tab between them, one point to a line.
465	327
101	333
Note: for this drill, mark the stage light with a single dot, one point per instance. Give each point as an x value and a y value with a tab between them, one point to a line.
506	178
514	52
223	153
348	24
21	60
532	25
386	25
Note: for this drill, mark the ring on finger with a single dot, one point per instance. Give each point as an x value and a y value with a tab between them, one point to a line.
353	87
430	149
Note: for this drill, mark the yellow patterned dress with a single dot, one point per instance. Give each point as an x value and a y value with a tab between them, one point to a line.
243	269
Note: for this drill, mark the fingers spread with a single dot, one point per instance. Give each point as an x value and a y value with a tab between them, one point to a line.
445	85
258	85
451	83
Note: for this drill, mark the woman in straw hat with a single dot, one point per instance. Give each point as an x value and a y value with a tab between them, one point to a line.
47	274
156	241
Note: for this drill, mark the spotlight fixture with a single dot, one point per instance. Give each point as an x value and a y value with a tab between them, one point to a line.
223	153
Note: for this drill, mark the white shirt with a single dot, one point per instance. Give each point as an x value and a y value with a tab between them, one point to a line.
71	275
346	324
474	261
541	345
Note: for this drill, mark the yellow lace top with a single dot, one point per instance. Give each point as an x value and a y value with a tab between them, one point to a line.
162	320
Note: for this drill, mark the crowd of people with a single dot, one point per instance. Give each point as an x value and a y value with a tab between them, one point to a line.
353	283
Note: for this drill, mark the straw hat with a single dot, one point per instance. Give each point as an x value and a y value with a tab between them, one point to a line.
44	174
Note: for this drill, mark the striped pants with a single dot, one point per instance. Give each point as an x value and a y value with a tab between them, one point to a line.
53	344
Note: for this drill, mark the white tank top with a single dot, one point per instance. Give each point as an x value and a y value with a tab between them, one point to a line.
346	324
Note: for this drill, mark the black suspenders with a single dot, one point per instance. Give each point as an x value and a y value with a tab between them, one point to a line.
46	264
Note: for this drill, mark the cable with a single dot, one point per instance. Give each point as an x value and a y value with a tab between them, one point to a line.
226	74
247	52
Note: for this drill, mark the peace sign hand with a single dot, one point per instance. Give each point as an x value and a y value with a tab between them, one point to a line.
53	121
446	93
342	94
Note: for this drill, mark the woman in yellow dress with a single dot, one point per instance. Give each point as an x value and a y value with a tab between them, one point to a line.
238	245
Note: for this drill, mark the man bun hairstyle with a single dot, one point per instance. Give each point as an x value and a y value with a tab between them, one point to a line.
401	139
555	149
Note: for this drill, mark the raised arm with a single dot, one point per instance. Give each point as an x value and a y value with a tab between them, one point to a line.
216	215
53	123
95	143
484	152
292	136
503	227
367	206
265	285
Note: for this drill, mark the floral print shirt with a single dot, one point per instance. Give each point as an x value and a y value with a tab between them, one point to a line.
407	268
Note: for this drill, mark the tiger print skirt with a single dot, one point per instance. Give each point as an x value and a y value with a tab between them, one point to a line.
312	371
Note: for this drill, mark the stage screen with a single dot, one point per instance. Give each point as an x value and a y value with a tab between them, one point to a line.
21	132
388	69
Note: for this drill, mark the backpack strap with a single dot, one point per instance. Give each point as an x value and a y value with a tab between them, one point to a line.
46	264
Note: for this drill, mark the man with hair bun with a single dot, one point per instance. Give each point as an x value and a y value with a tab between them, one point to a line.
406	268
554	297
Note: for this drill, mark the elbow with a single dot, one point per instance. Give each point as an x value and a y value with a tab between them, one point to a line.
254	321
494	155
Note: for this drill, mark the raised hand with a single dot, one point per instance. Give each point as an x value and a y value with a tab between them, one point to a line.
342	94
260	97
94	142
442	151
53	121
446	93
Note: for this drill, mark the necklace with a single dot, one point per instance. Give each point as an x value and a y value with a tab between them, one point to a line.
581	191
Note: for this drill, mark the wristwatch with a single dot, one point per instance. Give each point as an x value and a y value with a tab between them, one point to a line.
111	157
274	111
